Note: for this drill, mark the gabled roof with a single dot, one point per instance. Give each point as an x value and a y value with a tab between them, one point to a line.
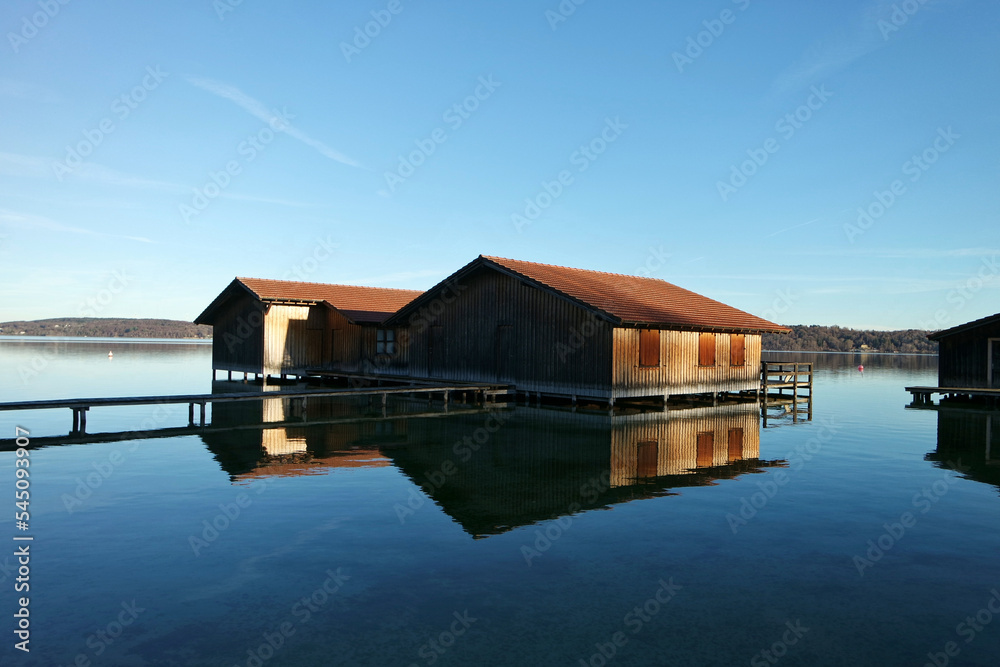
359	304
619	299
990	319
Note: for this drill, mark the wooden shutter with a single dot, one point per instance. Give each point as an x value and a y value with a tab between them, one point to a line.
706	349
706	449
735	444
737	350
649	347
647	458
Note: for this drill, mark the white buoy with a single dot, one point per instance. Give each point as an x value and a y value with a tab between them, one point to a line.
111	355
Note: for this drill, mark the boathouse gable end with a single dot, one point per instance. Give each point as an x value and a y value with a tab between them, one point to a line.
969	354
574	332
483	324
275	327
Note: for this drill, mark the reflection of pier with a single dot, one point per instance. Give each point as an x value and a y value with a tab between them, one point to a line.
80	406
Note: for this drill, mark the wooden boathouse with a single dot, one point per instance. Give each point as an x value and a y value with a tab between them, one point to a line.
552	330
280	328
968	361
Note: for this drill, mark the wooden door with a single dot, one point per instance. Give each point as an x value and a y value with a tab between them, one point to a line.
647	457
706	449
735	444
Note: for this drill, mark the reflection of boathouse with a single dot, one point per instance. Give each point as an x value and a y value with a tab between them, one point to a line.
969	440
495	470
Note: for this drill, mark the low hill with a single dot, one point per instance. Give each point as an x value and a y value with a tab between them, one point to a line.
812	338
110	327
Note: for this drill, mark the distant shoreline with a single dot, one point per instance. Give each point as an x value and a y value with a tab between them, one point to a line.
103	339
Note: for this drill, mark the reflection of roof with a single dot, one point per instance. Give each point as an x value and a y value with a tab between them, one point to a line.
938	335
359	304
629	300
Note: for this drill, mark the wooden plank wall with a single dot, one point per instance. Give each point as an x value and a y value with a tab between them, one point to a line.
496	329
675	441
238	336
964	358
678	371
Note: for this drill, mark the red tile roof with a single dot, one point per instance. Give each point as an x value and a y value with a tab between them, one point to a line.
361	304
635	300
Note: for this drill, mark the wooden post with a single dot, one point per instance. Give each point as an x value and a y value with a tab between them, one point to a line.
190	414
202	413
230	378
83	420
76	419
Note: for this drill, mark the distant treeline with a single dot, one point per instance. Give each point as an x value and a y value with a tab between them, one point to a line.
812	338
802	339
109	327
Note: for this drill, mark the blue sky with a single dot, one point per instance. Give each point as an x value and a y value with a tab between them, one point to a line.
150	152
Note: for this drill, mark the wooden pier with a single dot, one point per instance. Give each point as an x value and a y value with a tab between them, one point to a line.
481	393
924	395
782	375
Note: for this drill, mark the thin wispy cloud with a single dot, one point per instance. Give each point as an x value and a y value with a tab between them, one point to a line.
28	221
275	120
22	90
864	35
788	229
13	164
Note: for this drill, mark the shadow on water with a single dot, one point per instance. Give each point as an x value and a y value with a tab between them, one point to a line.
495	470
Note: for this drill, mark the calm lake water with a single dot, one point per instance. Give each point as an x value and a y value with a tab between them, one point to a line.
524	537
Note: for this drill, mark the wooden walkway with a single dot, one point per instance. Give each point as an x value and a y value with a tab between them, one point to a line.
484	392
924	394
